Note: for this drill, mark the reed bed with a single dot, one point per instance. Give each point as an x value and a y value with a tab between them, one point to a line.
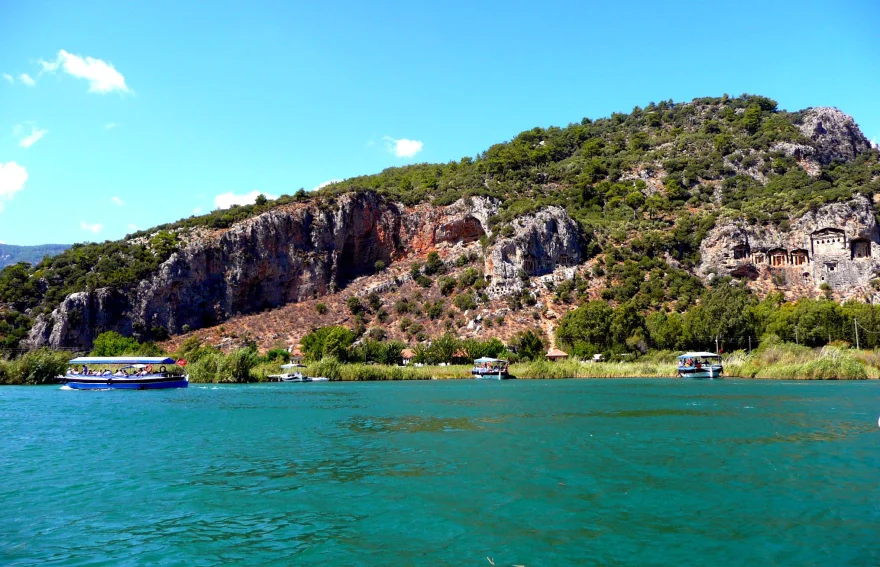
786	361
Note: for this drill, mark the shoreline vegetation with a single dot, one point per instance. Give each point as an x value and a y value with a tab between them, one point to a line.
776	361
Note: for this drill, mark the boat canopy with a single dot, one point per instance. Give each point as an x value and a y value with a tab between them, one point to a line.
292	365
123	360
699	355
486	359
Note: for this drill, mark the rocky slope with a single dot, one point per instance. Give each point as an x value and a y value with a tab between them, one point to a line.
295	253
630	209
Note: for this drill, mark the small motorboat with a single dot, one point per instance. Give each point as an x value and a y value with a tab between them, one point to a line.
700	365
125	373
295	376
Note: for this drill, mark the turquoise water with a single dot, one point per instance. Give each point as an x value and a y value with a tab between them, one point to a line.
578	472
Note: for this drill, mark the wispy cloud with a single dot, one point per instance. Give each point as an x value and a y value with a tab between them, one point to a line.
117	201
226	200
133	227
9	78
102	76
12	180
403	147
26	80
93	228
326	183
110	125
874	143
197	211
31	138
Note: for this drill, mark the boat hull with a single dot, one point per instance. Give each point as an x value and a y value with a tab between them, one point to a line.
491	377
118	383
713	372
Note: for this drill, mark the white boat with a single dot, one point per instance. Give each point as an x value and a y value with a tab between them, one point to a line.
700	365
295	376
490	369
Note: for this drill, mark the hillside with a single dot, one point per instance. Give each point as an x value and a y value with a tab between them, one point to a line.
12	254
641	210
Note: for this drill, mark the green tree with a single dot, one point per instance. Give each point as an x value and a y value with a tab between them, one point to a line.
529	344
586	329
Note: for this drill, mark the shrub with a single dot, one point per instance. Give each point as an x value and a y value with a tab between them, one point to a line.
354	305
379	266
206	369
41	366
239	363
321	308
465	301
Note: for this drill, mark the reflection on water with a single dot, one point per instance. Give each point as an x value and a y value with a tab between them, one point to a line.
635	472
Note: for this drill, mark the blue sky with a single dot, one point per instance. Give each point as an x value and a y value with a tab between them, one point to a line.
115	115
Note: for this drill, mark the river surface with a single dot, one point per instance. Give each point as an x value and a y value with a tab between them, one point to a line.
573	472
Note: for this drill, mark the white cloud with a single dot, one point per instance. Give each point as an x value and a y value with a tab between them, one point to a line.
403	147
226	200
117	201
110	125
8	78
12	180
874	143
26	80
93	228
197	210
326	183
133	227
31	138
102	76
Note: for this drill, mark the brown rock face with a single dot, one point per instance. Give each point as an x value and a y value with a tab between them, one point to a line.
284	256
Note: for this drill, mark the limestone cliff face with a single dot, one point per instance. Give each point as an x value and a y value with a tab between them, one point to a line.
541	242
294	253
837	244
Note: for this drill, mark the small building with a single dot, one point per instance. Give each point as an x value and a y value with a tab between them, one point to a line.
407	355
555	354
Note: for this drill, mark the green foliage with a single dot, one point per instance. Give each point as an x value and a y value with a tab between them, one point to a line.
465	301
41	366
446	285
434	265
111	343
379	266
321	308
529	345
327	342
238	364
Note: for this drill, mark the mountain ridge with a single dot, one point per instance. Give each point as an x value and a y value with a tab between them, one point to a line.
638	193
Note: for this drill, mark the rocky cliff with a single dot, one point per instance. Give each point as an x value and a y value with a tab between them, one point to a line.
837	245
294	253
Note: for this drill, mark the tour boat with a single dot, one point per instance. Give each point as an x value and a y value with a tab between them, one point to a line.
490	369
700	365
131	373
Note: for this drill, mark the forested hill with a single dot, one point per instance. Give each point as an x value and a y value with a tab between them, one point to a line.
644	189
12	254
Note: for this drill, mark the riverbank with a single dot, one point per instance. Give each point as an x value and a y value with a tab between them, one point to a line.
779	361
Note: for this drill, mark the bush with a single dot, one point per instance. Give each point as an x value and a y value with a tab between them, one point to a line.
206	369
379	266
465	301
35	367
238	365
321	308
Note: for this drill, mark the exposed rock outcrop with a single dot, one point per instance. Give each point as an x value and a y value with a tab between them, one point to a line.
837	245
541	242
834	134
294	253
